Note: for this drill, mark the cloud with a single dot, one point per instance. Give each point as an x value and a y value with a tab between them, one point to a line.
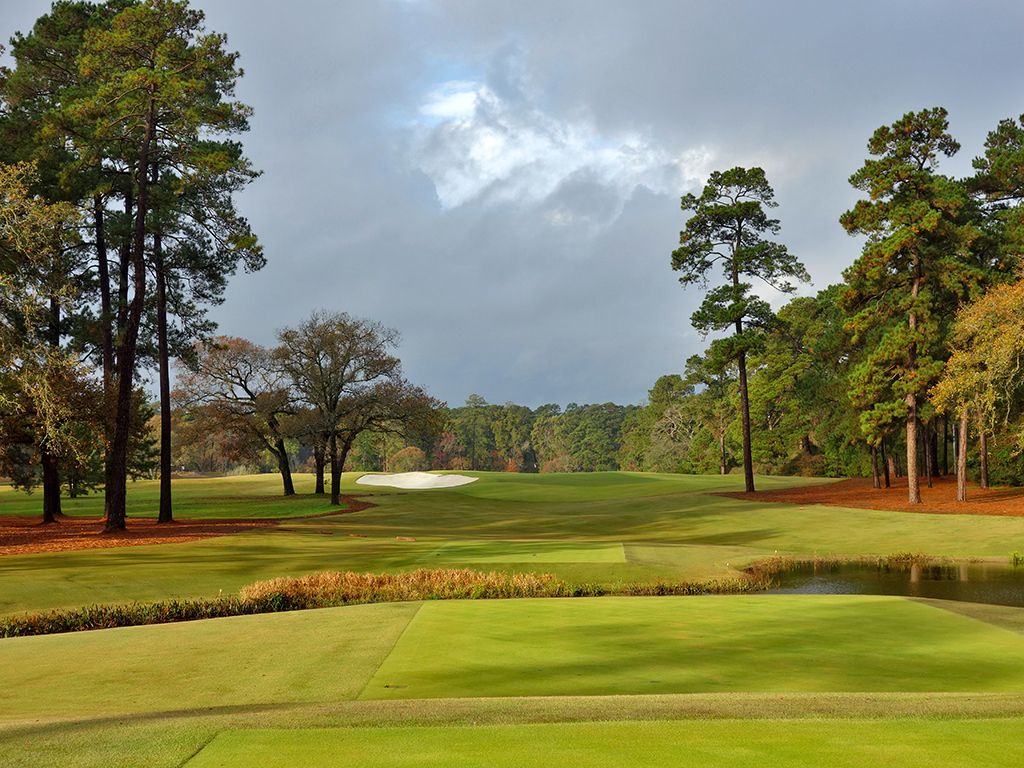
476	146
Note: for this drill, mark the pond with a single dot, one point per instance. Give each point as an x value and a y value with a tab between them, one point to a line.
997	583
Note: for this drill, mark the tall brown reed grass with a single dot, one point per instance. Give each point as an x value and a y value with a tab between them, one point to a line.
321	590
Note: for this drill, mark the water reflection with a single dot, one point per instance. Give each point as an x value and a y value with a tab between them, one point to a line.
970	582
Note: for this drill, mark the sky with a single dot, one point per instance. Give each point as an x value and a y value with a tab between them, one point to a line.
500	181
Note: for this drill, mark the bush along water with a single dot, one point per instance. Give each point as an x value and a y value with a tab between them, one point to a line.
329	589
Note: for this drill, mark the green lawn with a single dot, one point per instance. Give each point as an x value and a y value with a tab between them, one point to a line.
166	695
511	648
280	658
677	744
244	496
616	645
156	695
606	528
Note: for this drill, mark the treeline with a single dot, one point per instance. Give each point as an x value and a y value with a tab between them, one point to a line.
510	438
476	436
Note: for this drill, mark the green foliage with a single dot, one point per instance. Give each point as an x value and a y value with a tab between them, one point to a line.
921	258
409	459
728	229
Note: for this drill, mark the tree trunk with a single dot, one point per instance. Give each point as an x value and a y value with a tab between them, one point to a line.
913	481
983	454
281	454
51	487
111	391
961	459
926	445
48	459
945	444
318	460
166	514
117	488
335	470
748	461
346	446
875	482
103	275
106	332
723	463
933	445
123	272
886	461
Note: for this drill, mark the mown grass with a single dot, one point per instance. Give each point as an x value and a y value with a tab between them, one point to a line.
169	739
608	528
510	648
154	695
615	645
280	658
679	744
238	497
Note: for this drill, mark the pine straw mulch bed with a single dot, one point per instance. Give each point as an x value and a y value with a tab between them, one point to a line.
27	535
940	499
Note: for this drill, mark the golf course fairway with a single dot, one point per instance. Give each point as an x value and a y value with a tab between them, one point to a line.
709	680
679	744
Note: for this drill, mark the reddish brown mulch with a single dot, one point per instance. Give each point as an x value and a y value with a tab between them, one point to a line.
940	499
26	535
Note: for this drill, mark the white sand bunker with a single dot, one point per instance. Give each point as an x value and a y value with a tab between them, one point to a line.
416	480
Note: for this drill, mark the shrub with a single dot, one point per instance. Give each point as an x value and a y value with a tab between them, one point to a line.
560	463
410	459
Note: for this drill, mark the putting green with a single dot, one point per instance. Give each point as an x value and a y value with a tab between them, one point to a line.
780	643
679	744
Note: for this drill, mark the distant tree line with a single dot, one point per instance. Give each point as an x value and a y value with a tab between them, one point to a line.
419	433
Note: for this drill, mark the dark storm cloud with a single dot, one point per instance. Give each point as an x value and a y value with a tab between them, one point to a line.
500	181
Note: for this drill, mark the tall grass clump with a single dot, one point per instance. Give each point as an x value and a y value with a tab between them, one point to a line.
319	590
129	615
324	590
332	588
725	586
764	570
